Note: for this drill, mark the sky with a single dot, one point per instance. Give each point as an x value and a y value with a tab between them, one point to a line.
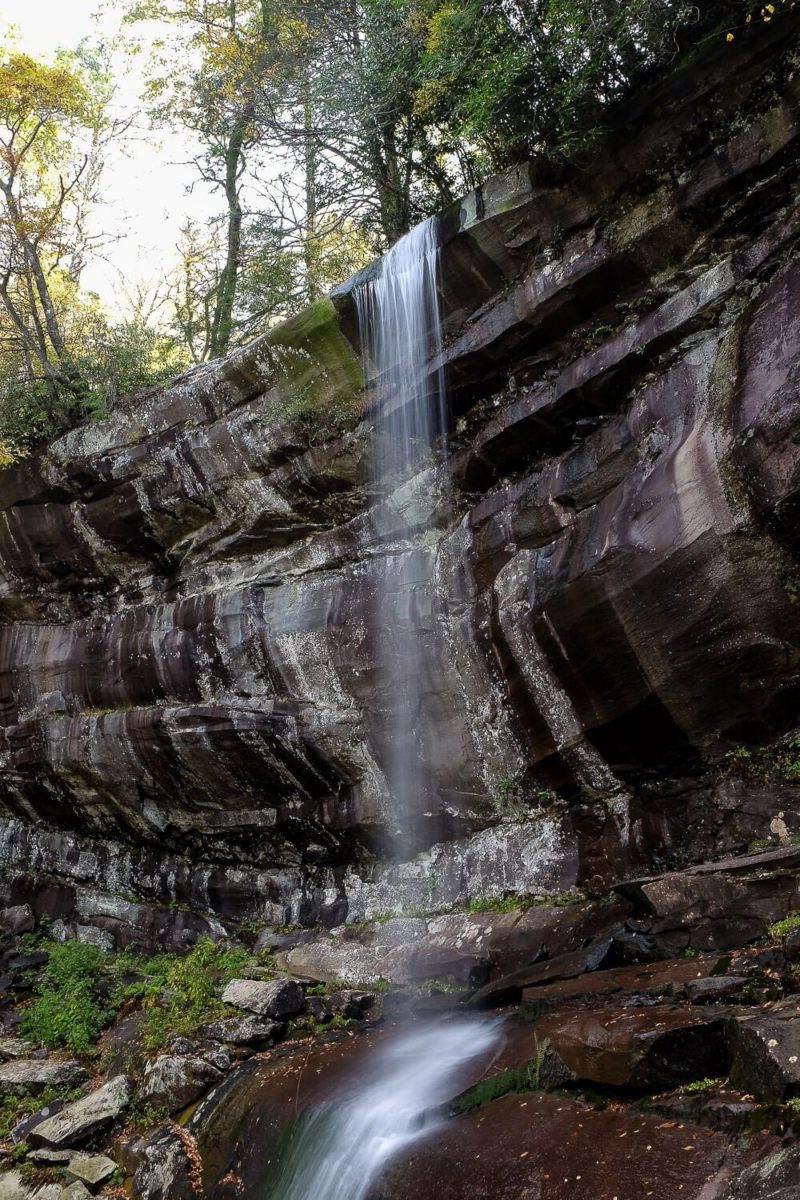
144	185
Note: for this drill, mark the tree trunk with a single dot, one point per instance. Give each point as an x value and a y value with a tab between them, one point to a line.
222	321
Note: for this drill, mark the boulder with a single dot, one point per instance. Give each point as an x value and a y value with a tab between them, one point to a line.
77	1190
715	988
92	1170
776	1177
26	1076
766	1051
173	1082
351	1004
17	919
79	1121
161	1166
256	1032
278	998
11	1047
647	1049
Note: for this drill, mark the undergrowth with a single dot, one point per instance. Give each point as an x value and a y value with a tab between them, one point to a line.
84	988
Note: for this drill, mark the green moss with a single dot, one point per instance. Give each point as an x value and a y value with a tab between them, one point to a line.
308	370
781	929
701	1085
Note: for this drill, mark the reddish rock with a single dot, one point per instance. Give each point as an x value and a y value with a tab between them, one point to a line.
639	1048
544	1147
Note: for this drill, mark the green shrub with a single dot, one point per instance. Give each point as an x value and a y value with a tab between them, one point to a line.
67	1010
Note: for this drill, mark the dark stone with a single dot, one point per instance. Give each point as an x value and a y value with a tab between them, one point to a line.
565	966
775	1177
160	1165
715	988
766	1051
641	1049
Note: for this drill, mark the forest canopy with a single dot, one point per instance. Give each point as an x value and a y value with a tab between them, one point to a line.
324	129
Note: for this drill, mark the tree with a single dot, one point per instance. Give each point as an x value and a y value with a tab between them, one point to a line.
53	129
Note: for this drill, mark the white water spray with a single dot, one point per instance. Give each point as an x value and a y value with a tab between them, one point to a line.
337	1152
400	327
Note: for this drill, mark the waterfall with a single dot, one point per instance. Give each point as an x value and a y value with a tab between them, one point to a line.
400	327
337	1152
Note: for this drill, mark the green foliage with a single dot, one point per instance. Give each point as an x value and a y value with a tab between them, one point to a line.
537	77
761	764
782	929
505	903
14	1108
700	1085
180	994
68	1011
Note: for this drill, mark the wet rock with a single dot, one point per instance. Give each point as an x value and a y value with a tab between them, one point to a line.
647	1049
509	988
31	1076
648	981
255	1032
17	919
279	998
75	1123
766	1052
714	989
172	1082
775	1177
523	1147
351	1005
718	1106
92	1170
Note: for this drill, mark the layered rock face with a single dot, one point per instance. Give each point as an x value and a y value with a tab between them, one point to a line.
607	594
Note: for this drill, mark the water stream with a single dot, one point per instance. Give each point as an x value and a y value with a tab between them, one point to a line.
338	1150
400	328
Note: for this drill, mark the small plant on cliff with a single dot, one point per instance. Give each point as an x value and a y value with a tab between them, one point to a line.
762	764
782	929
68	1010
701	1085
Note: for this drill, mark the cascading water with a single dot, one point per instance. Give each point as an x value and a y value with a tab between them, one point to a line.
400	328
337	1152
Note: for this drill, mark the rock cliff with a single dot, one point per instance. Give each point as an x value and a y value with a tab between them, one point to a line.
190	707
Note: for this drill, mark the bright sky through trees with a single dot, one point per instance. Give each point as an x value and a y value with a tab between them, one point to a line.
145	197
